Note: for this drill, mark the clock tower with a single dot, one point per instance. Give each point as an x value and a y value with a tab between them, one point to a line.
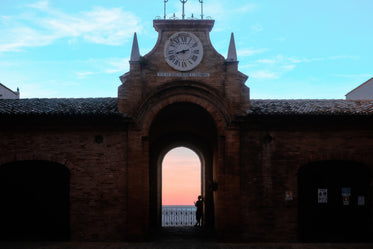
183	55
183	93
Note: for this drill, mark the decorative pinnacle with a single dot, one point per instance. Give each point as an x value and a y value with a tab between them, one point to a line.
135	53
232	54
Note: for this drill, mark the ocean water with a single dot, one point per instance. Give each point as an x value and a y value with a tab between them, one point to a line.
177	216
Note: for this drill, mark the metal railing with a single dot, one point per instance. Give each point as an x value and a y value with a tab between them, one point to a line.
177	216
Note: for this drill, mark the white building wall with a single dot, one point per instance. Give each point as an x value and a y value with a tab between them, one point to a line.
364	91
6	93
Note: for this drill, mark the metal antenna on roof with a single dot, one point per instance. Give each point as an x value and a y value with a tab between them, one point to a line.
183	2
165	1
201	1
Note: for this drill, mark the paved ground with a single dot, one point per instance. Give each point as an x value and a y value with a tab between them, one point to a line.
92	245
181	238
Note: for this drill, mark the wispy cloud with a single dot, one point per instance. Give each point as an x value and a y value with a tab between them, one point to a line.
83	75
303	59
102	66
109	26
257	27
264	74
39	89
115	65
281	63
339	57
355	76
282	59
22	36
250	51
41	5
276	67
247	8
267	61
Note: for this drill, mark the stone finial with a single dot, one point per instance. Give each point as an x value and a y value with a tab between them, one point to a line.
232	54
135	53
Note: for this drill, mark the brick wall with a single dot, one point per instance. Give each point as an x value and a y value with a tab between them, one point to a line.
272	153
95	156
255	166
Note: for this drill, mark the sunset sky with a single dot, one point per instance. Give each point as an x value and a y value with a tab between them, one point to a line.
181	177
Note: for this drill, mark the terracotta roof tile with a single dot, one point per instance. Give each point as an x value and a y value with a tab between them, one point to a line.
60	106
310	107
108	107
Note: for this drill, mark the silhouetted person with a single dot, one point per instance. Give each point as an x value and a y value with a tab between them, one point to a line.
199	205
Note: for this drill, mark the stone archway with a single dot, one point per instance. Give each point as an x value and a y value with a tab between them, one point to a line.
335	202
182	124
35	201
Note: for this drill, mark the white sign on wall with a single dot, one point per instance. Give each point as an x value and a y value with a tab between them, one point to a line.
361	200
346	194
322	195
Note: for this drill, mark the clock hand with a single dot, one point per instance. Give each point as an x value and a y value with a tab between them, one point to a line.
182	51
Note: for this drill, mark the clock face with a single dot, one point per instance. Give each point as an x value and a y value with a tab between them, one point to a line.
183	51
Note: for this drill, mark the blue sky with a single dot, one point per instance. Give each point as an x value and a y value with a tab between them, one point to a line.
288	48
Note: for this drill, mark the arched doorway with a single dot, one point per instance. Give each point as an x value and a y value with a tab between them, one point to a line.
34	201
189	125
181	185
335	202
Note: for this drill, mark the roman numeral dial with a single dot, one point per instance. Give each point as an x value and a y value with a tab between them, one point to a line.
183	51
